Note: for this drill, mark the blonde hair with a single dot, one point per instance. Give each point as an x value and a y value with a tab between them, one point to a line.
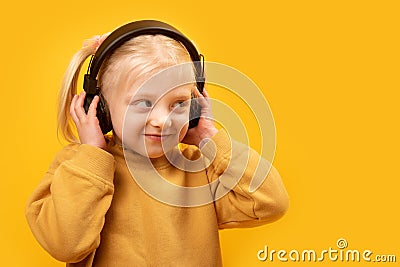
138	56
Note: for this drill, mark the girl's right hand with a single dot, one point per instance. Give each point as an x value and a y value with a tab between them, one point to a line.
87	124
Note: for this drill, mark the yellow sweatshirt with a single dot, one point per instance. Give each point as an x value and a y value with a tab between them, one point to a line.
89	211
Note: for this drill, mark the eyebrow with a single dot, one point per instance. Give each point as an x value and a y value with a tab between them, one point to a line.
173	93
141	95
180	96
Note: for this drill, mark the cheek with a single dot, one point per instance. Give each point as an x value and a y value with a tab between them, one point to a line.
183	132
133	123
117	118
183	126
132	130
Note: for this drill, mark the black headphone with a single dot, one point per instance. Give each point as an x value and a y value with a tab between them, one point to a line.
119	37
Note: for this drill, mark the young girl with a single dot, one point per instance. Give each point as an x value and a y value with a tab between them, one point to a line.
89	210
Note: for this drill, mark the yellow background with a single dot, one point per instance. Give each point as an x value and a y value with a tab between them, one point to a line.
329	69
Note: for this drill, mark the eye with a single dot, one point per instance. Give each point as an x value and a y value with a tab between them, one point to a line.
181	104
143	103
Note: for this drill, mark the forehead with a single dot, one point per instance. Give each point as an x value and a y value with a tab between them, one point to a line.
177	79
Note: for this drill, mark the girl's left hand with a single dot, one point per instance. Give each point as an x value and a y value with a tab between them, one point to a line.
205	128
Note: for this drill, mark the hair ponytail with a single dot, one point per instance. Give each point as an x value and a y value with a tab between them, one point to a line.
65	125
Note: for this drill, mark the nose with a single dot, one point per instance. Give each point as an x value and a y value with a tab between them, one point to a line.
159	117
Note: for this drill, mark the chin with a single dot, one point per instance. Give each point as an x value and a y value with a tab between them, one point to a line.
155	155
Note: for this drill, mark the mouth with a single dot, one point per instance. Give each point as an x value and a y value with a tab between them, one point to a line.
156	137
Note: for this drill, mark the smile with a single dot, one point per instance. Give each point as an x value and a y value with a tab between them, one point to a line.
156	137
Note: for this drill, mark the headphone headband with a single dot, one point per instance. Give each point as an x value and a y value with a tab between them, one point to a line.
134	29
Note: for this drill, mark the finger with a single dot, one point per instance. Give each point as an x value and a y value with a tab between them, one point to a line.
207	97
80	112
81	99
72	109
93	106
203	102
196	92
205	93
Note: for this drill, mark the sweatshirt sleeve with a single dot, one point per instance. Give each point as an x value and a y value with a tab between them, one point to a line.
66	211
238	168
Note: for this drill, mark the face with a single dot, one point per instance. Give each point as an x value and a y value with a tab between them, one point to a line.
152	116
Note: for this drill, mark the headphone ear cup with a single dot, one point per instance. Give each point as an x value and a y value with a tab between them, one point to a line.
102	112
195	112
103	115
